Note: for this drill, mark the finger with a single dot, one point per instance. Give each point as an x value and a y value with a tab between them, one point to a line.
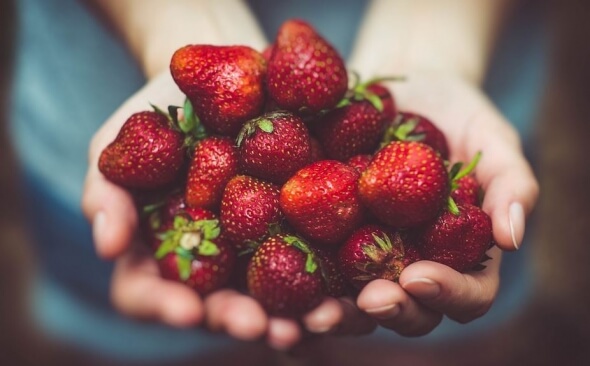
237	314
354	321
111	211
394	309
324	317
511	188
462	297
283	333
137	290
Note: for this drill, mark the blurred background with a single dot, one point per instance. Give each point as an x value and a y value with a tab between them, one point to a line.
553	328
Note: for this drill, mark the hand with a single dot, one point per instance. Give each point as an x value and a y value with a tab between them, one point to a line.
137	289
428	290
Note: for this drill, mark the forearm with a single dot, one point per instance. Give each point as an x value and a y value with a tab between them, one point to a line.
154	29
453	36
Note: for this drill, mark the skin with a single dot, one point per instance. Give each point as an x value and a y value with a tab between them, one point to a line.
443	68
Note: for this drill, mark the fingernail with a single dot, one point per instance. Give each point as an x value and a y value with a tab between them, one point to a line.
423	288
98	225
516	219
384	312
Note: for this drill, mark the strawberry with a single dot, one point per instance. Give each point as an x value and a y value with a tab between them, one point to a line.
274	146
305	73
249	208
224	84
389	109
321	201
414	127
374	252
405	185
267	52
192	252
284	275
458	240
467	190
214	162
357	126
147	153
360	162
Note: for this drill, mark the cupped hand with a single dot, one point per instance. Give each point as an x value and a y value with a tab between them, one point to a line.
427	291
137	288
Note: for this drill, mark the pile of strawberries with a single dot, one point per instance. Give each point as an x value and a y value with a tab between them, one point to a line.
280	179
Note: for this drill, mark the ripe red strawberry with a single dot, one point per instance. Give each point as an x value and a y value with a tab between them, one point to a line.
321	201
389	110
284	275
405	185
467	191
360	162
317	152
305	73
249	208
414	127
267	52
224	84
147	153
214	162
459	241
374	252
334	282
274	146
192	252
356	127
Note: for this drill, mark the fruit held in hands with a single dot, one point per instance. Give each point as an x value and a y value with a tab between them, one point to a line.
374	252
405	185
284	275
458	240
305	73
147	153
224	84
321	201
192	252
274	146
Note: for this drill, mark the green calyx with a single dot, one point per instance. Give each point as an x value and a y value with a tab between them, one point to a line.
359	91
187	239
457	172
311	262
402	130
263	123
190	124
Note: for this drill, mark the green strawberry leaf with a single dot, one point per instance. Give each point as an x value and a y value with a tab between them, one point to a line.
166	247
160	111
455	170
297	243
184	267
208	248
343	103
265	125
469	168
375	101
453	207
372	252
383	243
310	263
210	228
180	222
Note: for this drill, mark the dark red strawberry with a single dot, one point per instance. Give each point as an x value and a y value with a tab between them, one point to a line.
193	253
360	162
274	146
305	73
389	110
249	208
224	83
405	185
357	126
147	153
374	252
414	127
317	152
467	191
214	162
459	241
267	52
284	275
334	282
321	201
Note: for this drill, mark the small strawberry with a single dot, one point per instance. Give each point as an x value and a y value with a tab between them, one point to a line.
147	153
357	126
305	73
374	252
192	252
274	146
458	240
249	208
214	162
224	83
467	191
414	127
284	275
405	185
321	201
360	162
